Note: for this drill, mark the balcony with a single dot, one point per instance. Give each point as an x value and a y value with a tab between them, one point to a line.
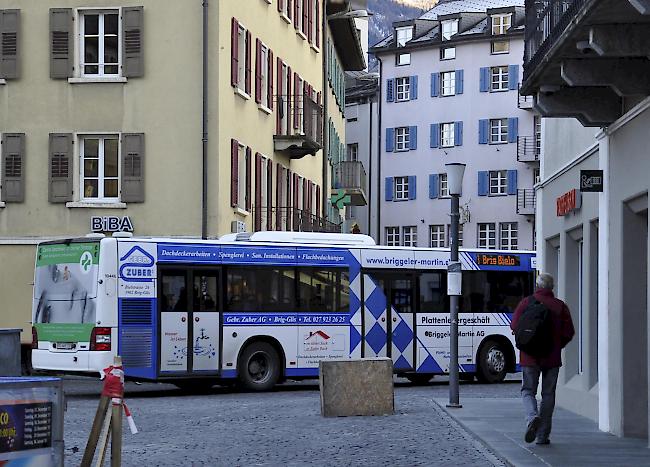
289	219
350	176
526	202
587	59
299	129
528	149
524	102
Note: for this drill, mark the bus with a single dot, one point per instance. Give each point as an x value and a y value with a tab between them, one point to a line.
266	307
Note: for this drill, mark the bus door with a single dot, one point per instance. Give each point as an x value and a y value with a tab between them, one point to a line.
189	321
389	306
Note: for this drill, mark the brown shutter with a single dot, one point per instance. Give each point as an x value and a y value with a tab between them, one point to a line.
318	213
295	191
61	45
305	202
249	174
310	20
132	35
278	197
269	194
249	46
10	44
258	192
234	173
13	168
317	19
305	16
60	168
281	99
296	15
289	10
280	5
289	97
289	200
296	100
234	53
132	168
269	81
258	71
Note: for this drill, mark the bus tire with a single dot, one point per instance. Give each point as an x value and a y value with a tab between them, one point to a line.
419	379
492	362
259	367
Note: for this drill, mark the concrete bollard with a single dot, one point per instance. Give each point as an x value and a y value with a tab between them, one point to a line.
356	387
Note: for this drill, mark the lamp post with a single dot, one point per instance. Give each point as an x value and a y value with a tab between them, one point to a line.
455	173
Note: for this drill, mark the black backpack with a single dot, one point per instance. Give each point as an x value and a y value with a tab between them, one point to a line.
534	333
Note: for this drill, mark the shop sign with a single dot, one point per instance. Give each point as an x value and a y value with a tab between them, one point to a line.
568	202
591	181
111	224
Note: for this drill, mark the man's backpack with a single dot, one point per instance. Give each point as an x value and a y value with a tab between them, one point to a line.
534	333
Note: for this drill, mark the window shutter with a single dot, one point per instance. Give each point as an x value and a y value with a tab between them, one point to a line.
132	34
281	99
249	174
269	195
484	85
289	80
234	172
310	31
60	168
296	99
305	16
512	182
305	196
483	130
433	186
413	137
10	44
258	71
412	188
390	139
278	195
434	135
289	9
249	46
13	168
257	217
296	180
483	183
390	84
61	45
413	85
317	213
435	84
458	133
513	77
234	52
317	26
280	5
513	129
460	81
132	168
269	80
296	15
389	189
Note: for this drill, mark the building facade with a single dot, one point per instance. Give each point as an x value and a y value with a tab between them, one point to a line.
578	64
450	94
116	118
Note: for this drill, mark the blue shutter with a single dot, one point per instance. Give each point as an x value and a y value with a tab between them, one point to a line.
434	135
433	186
435	84
390	139
389	188
513	129
483	131
412	189
458	133
389	90
485	79
513	77
483	182
460	77
413	137
414	87
512	182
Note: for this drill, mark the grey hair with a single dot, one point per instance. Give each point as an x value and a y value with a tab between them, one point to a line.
545	281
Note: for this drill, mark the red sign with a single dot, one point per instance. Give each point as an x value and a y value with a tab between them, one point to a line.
568	202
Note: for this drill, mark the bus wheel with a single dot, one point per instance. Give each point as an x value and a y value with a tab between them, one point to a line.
419	378
259	366
492	363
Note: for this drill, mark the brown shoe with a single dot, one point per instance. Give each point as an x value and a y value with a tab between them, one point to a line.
531	430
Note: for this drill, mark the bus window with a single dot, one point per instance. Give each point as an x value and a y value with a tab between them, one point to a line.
174	294
344	292
433	292
205	291
260	289
401	295
323	290
494	291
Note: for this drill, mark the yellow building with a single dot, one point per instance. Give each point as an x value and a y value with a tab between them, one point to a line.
165	117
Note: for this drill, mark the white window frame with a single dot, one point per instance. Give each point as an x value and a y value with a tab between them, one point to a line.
264	63
487	235
499	52
443	186
460	234
501	24
314	26
391	235
448	83
406	36
509	235
499	78
401	188
241	176
403	89
80	58
298	20
447	53
242	50
498	182
536	176
403	59
447	135
410	235
498	130
353	151
448	29
284	13
402	138
437	236
81	138
284	120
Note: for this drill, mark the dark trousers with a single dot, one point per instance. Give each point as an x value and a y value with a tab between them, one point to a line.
529	396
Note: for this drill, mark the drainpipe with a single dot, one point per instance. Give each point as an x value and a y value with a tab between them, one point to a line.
326	94
370	169
204	194
379	99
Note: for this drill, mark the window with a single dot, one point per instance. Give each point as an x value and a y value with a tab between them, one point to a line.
538	134
403	88
498	130
297	19
498	182
437	235
403	59
460	233
401	188
284	9
448	83
404	35
100	39
536	176
206	291
100	168
449	28
353	152
447	53
499	78
500	47
242	51
410	235
323	290
402	138
264	73
315	29
433	292
508	234
501	24
283	100
443	186
392	236
487	236
242	183
446	135
494	291
260	289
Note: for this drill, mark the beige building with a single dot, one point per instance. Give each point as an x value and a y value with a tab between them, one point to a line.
165	117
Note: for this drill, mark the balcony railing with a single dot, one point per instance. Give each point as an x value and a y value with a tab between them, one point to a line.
350	176
526	202
528	149
289	219
299	126
524	102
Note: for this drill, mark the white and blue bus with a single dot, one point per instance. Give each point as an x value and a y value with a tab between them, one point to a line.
266	307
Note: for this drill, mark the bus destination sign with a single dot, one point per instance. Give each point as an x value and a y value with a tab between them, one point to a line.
497	260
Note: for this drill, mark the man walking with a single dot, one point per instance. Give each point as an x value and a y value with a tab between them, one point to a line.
559	333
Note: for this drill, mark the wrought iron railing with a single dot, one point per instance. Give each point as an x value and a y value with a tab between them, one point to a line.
528	148
299	115
526	201
290	219
349	174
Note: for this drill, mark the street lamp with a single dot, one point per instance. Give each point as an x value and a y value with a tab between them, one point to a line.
455	172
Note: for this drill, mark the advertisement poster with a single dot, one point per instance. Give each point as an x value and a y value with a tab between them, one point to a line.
137	270
321	343
25	431
173	341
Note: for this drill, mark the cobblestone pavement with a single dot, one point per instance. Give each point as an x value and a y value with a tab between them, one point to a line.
225	427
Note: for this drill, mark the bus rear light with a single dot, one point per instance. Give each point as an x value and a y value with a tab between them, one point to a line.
34	338
100	339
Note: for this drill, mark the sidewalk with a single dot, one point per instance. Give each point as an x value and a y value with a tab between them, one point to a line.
575	440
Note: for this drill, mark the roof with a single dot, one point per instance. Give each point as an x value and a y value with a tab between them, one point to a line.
345	37
450	7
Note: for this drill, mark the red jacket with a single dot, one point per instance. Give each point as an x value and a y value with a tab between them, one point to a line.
562	328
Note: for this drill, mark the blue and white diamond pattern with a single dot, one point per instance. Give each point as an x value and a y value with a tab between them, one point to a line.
355	314
374	319
402	340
